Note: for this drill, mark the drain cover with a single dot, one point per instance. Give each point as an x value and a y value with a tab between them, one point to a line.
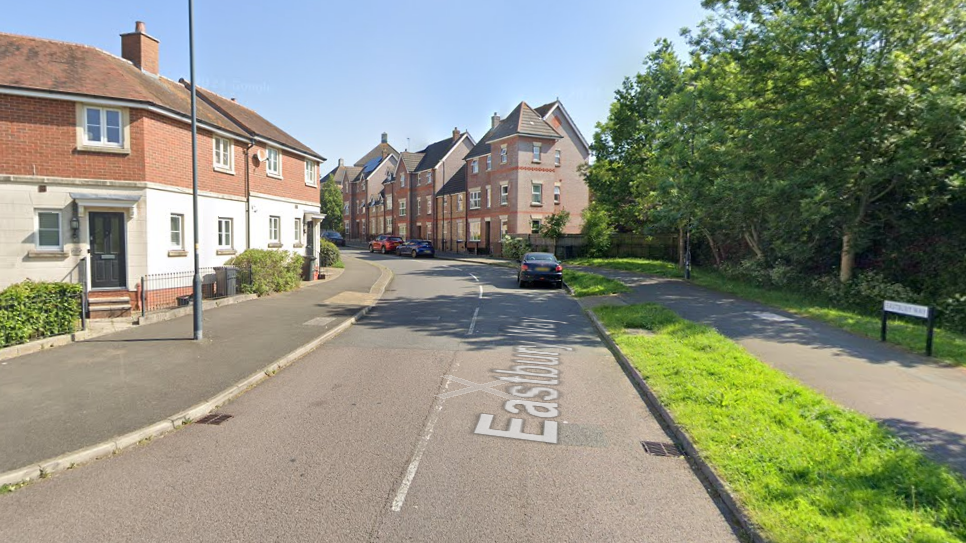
214	418
660	449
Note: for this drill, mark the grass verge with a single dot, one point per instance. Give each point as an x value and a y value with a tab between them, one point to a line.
947	346
805	469
592	284
339	264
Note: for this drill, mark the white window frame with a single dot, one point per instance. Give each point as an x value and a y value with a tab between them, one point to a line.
556	158
227	164
536	196
538	223
429	205
474	231
402	207
275	171
504	194
503	154
402	230
37	229
476	166
419	207
489	196
429	178
475	196
389	202
402	181
489	162
556	195
298	231
312	173
504	227
459	202
389	224
537	152
274	229
178	245
227	233
102	126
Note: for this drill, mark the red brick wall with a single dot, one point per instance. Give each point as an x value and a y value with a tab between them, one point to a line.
292	184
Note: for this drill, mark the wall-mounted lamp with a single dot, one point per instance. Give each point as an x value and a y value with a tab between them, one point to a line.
75	224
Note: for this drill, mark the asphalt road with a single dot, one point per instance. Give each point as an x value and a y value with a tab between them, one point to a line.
355	443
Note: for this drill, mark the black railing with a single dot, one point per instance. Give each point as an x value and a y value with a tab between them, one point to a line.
169	290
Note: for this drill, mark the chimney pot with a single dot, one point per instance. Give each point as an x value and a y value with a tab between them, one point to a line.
341	162
139	27
385	137
140	49
495	120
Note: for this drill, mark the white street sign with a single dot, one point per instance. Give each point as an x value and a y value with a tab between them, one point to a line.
906	309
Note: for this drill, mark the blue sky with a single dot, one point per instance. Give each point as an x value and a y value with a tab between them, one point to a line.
337	74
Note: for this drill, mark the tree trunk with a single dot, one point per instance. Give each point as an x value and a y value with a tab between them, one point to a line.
848	256
753	244
681	247
714	248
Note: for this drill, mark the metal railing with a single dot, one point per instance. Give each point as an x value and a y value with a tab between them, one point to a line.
170	290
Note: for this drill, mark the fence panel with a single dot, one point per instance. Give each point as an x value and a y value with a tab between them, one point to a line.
176	289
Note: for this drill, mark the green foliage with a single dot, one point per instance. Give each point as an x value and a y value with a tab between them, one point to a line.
331	203
328	254
553	225
272	271
592	284
804	468
31	310
515	248
597	230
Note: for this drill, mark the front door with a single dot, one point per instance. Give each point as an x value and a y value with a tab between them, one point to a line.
486	237
108	264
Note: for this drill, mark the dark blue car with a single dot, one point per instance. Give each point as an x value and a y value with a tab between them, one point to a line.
416	247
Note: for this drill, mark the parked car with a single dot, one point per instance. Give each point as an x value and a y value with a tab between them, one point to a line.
384	243
334	237
416	247
540	268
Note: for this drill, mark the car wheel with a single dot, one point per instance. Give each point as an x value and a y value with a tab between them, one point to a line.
522	283
413	254
371	250
560	285
383	249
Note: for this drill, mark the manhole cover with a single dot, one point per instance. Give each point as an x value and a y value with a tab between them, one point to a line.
214	418
660	449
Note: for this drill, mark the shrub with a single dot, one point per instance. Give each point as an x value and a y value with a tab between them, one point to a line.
328	254
952	313
30	311
515	248
272	271
597	229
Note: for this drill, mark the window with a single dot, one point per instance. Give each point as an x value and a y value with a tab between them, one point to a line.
102	127
489	197
298	232
556	158
536	151
389	202
402	207
475	231
429	178
536	197
48	231
489	162
475	199
273	162
389	223
346	227
224	152
224	233
419	206
177	231
556	194
504	194
402	231
312	173
476	166
503	154
274	229
459	202
429	205
503	227
402	181
535	226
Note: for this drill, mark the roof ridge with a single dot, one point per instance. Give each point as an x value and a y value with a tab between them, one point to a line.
62	42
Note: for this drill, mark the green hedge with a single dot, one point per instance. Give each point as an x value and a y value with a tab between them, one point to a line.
329	254
272	271
30	311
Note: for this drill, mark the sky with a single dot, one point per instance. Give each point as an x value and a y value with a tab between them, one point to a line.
336	75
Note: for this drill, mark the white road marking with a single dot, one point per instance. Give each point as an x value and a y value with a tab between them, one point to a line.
481	292
771	317
475	277
476	312
319	321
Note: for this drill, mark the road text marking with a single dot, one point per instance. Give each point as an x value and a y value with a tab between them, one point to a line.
473	387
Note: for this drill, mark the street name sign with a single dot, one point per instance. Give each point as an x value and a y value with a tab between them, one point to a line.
910	310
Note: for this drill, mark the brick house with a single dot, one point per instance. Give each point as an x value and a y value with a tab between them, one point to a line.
95	173
522	170
363	196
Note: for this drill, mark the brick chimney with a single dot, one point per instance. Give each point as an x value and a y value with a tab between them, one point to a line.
385	137
456	133
495	120
341	162
140	49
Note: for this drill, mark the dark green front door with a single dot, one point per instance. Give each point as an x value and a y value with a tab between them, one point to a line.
108	255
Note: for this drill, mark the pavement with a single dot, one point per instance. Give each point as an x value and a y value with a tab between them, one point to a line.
69	398
921	400
376	436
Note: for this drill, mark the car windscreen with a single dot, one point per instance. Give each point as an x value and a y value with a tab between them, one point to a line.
424	243
394	239
541	256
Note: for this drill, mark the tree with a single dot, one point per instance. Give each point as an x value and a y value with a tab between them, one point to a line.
331	203
597	230
553	226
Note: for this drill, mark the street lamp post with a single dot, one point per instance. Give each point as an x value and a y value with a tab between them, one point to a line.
198	316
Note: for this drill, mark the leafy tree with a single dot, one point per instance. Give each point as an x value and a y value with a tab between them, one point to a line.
331	202
597	230
553	226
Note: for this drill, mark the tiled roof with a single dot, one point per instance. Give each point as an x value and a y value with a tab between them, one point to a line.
456	183
481	148
411	160
343	174
544	109
252	122
524	121
53	66
434	152
377	151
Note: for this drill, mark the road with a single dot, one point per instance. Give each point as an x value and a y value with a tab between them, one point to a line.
368	438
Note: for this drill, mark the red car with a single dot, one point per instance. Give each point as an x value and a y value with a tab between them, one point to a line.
385	244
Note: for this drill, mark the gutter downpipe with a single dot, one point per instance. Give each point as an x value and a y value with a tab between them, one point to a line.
248	196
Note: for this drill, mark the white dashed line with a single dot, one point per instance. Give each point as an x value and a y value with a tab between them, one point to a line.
481	292
475	277
476	312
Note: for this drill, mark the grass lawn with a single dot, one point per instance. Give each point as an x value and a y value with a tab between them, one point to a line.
805	469
591	284
948	346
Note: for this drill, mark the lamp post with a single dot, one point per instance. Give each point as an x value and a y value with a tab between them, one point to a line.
198	317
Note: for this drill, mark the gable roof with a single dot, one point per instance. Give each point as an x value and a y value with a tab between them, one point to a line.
545	111
481	148
42	65
380	150
410	160
522	121
435	152
456	183
252	122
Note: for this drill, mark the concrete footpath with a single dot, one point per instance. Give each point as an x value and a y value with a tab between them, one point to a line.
922	401
89	393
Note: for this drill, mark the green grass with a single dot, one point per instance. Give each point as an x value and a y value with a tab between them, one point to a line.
947	346
805	469
592	284
339	264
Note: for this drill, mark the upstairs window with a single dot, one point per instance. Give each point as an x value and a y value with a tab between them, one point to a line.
504	194
556	158
459	202
536	197
429	205
489	162
402	208
419	206
475	199
489	197
556	195
402	181
429	178
103	127
273	162
503	154
537	148
311	173
224	154
476	166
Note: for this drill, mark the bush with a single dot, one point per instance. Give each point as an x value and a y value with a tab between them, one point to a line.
329	254
952	313
30	311
272	271
597	229
865	292
515	248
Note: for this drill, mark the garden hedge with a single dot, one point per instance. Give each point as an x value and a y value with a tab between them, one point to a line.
35	310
